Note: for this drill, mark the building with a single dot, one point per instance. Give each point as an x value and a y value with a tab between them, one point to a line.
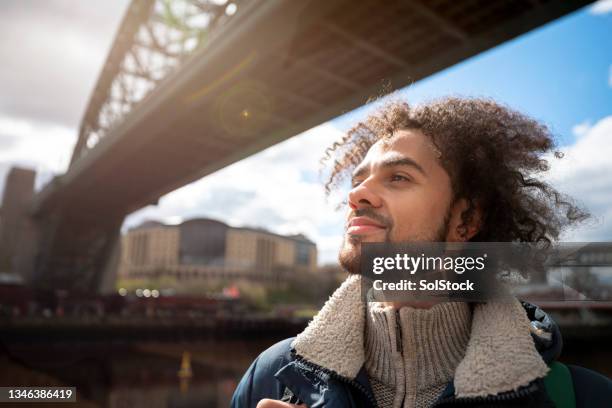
212	250
16	231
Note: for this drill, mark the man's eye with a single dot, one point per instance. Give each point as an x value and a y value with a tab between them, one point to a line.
399	177
355	183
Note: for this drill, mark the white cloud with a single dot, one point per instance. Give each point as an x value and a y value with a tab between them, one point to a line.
584	173
277	189
51	56
36	144
581	129
43	147
601	7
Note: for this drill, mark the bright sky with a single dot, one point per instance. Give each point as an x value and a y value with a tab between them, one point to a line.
560	74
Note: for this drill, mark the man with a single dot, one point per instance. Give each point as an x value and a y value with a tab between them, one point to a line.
452	170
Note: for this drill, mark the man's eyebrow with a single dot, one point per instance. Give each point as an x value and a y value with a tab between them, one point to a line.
359	171
391	162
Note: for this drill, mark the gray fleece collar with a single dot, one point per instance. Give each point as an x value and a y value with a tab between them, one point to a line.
500	355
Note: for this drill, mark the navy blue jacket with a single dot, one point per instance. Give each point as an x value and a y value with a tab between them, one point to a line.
278	373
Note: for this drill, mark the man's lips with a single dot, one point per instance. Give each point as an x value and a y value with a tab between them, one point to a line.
363	225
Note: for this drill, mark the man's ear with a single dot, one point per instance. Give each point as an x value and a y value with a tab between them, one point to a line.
458	231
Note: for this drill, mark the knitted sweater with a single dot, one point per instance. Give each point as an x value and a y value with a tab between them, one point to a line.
411	354
500	356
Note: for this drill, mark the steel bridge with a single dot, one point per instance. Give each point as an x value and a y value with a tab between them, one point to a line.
190	86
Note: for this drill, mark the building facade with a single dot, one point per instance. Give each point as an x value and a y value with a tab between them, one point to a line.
209	249
16	231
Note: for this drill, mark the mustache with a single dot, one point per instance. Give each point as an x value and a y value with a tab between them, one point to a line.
370	213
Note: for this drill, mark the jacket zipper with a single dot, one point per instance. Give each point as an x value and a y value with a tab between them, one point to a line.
399	345
337	376
398	333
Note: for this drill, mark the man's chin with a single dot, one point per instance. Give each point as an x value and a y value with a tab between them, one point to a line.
350	256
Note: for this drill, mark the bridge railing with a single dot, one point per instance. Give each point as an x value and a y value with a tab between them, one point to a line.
153	39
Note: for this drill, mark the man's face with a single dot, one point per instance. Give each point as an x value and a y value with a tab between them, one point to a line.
400	193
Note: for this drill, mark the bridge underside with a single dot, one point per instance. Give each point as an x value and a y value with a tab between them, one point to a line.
277	69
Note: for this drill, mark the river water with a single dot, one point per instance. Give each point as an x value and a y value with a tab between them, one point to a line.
137	375
147	374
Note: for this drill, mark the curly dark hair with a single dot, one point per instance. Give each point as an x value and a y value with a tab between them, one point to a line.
492	154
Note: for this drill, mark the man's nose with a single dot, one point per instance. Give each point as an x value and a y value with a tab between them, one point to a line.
364	195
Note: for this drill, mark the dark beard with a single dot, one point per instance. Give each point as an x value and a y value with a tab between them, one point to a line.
350	253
